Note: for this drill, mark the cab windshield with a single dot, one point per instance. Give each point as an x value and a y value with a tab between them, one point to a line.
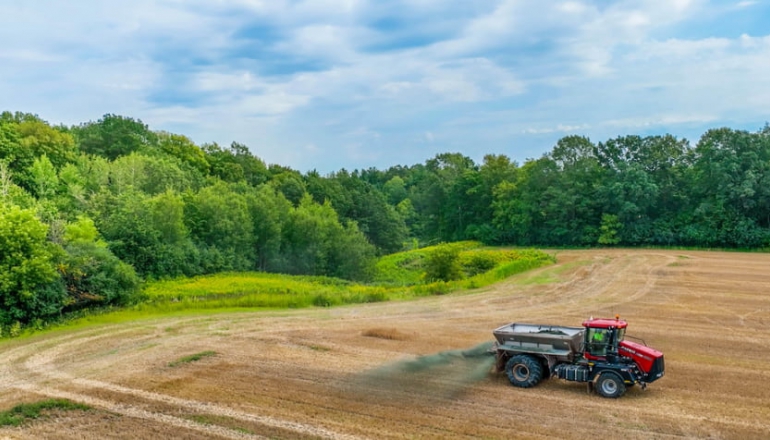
621	334
597	341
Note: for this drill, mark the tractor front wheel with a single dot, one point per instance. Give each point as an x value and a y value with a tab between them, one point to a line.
610	385
524	371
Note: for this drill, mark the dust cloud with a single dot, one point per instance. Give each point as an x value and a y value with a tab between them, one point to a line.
441	375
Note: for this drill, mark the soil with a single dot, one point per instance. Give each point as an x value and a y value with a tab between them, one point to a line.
356	372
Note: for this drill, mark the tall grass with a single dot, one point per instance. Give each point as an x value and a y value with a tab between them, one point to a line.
257	290
399	276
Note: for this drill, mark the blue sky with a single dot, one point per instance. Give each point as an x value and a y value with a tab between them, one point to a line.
356	84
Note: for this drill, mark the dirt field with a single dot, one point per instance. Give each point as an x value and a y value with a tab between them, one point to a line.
318	373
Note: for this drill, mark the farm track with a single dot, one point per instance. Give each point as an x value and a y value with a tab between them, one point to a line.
312	374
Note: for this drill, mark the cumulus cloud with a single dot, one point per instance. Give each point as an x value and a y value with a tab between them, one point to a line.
353	83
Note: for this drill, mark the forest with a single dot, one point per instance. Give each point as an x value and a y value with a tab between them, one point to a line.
88	212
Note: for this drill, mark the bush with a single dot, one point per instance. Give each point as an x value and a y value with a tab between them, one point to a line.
443	264
94	275
91	272
28	281
478	262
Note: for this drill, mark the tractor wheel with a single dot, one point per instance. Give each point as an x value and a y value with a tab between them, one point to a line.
610	385
524	371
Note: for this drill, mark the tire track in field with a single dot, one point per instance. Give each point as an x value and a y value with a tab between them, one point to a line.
130	411
33	366
609	280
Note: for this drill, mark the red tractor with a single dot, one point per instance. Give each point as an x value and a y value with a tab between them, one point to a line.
596	353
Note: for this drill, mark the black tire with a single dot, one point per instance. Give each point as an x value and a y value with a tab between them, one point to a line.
524	371
610	385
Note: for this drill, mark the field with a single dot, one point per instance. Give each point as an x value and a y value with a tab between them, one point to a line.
355	371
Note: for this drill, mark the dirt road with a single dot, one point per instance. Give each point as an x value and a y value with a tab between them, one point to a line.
318	373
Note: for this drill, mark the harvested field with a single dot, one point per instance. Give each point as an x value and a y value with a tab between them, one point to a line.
353	372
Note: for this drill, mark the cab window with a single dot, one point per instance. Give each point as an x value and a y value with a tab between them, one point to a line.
598	339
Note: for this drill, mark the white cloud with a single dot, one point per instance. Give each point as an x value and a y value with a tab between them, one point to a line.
561	128
745	4
481	75
269	104
656	120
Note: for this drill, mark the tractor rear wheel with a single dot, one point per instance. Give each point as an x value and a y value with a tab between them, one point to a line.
610	385
524	371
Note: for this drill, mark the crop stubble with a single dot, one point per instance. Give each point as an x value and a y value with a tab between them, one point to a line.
316	374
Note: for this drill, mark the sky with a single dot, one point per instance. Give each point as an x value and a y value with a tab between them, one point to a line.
331	84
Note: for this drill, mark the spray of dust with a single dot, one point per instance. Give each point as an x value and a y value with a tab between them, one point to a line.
441	375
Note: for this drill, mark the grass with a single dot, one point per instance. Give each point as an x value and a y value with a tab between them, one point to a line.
192	358
19	414
399	276
257	290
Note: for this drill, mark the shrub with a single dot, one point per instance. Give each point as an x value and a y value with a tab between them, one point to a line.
28	279
443	263
474	263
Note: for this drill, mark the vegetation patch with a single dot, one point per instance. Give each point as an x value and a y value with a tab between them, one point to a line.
386	333
399	276
90	212
19	414
192	358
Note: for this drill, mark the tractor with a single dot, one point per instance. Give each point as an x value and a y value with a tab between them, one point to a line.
597	354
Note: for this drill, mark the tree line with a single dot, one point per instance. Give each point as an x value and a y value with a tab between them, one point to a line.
88	211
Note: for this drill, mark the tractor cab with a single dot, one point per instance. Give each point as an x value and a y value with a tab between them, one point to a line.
601	338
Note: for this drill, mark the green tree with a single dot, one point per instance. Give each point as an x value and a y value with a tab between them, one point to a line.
395	190
45	181
219	220
223	163
307	238
92	274
93	173
39	138
24	137
151	175
644	184
185	150
479	195
114	136
28	280
520	207
269	211
730	178
572	214
254	169
289	183
124	221
16	158
609	229
10	193
315	243
351	256
369	209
